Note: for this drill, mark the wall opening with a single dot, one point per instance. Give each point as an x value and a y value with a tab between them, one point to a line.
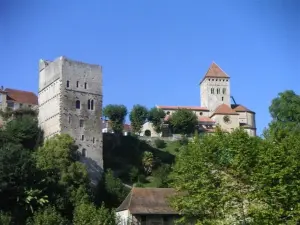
68	83
82	137
85	85
212	90
83	152
77	83
224	90
77	104
89	104
92	104
93	139
81	123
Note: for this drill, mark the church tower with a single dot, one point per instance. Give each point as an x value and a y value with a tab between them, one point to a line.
215	88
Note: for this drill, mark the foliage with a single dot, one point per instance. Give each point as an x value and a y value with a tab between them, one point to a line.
161	175
47	216
215	173
87	213
5	218
147	133
8	113
134	174
116	115
156	117
138	117
159	143
183	141
148	162
183	121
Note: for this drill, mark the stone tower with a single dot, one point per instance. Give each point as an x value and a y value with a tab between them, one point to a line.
70	101
215	88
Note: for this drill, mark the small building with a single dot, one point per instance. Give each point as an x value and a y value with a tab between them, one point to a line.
147	206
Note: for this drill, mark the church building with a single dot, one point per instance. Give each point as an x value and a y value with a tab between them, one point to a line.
216	107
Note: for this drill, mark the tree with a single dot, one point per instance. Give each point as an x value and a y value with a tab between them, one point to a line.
138	117
156	117
148	162
86	214
116	114
47	216
214	176
285	113
183	121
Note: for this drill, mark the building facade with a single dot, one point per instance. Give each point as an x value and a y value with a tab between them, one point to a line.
70	102
215	107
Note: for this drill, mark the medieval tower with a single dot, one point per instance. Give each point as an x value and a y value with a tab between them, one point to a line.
215	88
70	102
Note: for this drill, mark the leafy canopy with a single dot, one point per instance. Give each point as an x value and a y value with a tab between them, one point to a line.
156	117
116	114
138	117
184	121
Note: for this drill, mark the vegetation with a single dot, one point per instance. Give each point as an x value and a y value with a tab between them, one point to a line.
116	114
156	117
42	183
183	122
138	117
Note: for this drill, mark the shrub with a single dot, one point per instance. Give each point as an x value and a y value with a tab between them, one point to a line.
160	143
133	174
183	141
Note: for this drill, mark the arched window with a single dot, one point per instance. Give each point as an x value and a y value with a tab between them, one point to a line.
83	152
89	104
224	90
212	91
77	104
222	98
92	104
218	90
68	83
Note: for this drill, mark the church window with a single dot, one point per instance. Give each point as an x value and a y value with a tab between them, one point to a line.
224	90
77	104
68	83
212	90
92	104
77	83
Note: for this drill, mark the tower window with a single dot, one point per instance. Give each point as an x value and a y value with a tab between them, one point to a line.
77	83
77	104
222	98
89	104
212	90
85	85
82	137
224	90
92	104
93	139
68	83
69	119
81	123
218	90
83	152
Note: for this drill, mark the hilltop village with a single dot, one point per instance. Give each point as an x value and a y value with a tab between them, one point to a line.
72	160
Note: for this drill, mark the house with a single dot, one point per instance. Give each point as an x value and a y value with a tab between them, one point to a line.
15	99
215	107
147	206
106	127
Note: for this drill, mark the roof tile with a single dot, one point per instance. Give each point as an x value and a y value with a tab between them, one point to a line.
224	110
214	71
21	96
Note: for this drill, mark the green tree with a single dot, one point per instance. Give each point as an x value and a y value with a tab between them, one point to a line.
285	113
183	121
156	117
148	162
138	117
87	213
5	218
47	216
116	114
215	173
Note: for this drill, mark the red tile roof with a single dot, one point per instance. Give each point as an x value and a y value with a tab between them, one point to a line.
195	108
205	119
214	71
224	110
22	96
148	201
240	108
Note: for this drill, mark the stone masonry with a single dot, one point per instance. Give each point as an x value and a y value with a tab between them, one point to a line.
70	101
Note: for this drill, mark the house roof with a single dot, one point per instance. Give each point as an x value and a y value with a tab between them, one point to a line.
195	108
21	96
214	71
241	108
205	119
148	201
224	110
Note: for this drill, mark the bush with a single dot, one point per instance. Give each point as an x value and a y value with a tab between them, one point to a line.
133	174
147	133
5	219
183	141
48	216
160	143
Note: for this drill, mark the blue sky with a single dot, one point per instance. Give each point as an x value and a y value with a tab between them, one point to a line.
156	52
